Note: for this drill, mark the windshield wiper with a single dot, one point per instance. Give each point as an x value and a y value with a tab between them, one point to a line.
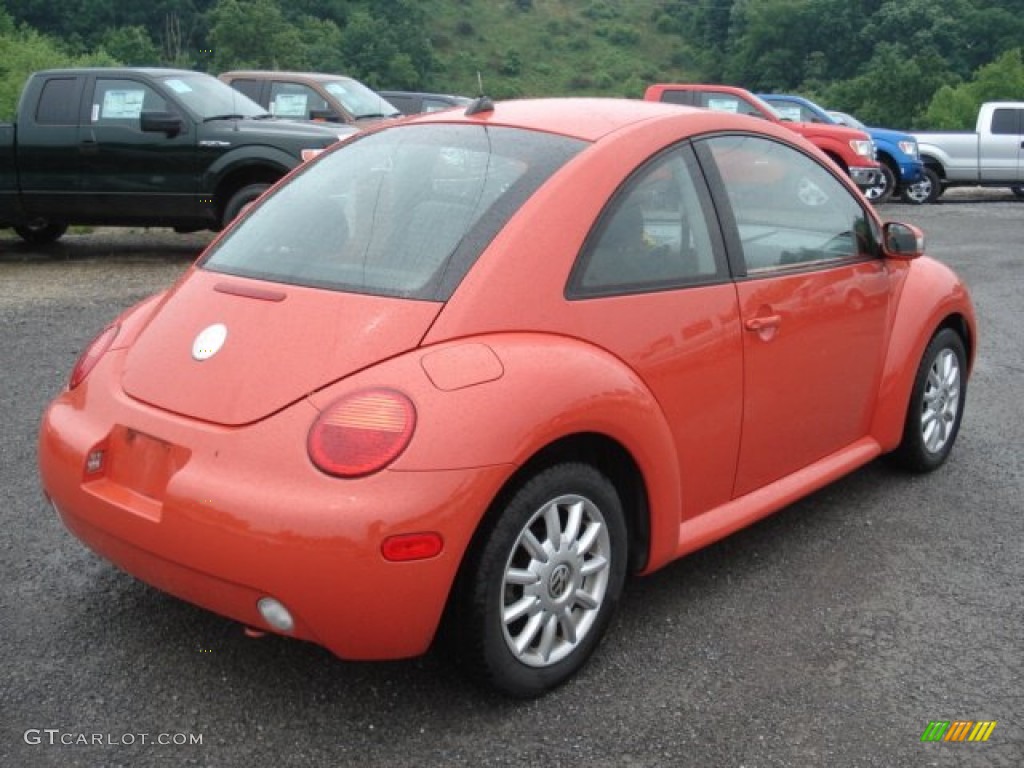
377	114
224	117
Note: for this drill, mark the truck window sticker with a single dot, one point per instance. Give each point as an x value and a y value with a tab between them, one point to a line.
122	104
723	105
290	105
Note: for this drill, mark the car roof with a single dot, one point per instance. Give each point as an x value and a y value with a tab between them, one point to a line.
582	118
150	71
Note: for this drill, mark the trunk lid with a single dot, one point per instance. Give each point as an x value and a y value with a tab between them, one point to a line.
281	343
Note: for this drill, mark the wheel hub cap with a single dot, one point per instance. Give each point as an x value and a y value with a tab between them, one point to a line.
941	400
556	580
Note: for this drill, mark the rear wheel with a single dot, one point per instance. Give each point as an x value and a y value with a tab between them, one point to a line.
927	190
41	231
936	404
538	592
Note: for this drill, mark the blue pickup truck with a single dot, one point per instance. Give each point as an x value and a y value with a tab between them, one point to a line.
902	169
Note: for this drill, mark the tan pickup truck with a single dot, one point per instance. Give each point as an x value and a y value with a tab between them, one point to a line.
312	96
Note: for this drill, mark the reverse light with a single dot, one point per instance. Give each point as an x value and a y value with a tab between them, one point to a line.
275	614
92	354
361	433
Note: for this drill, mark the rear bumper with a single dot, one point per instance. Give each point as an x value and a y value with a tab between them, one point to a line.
222	518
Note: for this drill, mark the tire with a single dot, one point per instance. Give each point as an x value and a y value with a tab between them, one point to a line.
925	191
527	617
936	405
242	198
882	191
41	231
1017	191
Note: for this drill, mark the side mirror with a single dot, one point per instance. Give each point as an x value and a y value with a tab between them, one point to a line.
902	241
162	122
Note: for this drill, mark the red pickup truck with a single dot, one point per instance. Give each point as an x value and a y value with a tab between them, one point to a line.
850	149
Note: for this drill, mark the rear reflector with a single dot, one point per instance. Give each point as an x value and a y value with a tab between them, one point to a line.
412	546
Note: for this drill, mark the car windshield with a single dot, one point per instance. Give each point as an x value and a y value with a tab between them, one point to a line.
402	212
358	100
848	120
208	98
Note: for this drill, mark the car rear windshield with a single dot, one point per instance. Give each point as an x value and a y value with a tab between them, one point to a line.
402	212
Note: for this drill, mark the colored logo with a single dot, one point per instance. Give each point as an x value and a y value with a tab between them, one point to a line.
209	341
958	730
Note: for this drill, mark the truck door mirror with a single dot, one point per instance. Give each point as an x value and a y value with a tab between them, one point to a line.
162	122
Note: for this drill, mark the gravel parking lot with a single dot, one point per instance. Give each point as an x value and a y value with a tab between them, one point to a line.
830	634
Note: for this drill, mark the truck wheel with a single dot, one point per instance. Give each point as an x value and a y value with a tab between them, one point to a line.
927	190
41	231
242	198
883	189
540	589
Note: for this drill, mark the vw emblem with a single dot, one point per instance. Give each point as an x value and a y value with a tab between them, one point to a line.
558	584
209	341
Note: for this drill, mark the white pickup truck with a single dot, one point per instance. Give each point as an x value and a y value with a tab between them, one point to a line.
990	156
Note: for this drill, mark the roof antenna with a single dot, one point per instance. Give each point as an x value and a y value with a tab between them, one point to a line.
481	103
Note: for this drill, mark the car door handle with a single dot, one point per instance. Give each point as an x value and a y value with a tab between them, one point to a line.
763	323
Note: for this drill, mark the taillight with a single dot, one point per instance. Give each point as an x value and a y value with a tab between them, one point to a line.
361	433
92	354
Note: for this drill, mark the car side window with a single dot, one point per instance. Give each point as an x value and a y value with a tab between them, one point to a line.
250	88
122	102
59	102
295	100
1007	122
789	211
653	235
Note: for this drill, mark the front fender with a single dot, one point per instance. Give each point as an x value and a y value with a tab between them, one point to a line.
931	297
247	156
499	399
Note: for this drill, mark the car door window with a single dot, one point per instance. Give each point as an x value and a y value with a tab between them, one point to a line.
295	100
250	88
653	235
789	211
121	103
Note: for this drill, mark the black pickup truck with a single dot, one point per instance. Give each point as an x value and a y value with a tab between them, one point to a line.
140	147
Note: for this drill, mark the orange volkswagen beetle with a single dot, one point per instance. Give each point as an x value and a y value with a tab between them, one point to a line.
476	368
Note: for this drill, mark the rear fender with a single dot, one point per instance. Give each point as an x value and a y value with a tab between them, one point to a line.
500	399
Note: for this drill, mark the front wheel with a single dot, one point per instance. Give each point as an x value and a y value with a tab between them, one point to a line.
541	586
936	404
241	200
882	190
41	231
927	190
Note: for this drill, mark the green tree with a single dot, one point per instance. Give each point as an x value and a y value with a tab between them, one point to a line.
131	45
956	108
253	34
24	52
